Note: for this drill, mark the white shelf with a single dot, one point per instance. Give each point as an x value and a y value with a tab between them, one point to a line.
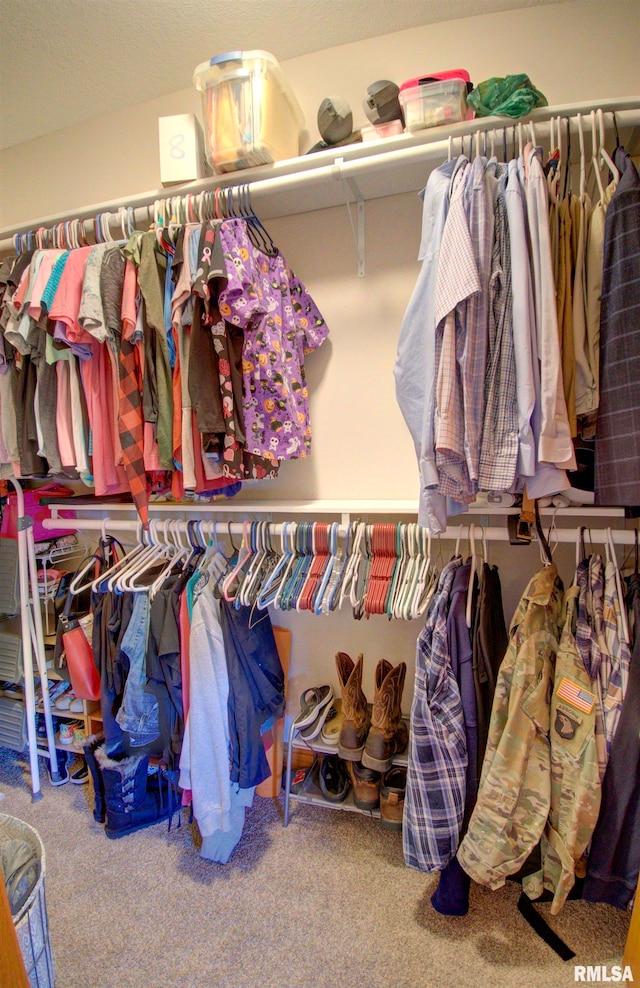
355	172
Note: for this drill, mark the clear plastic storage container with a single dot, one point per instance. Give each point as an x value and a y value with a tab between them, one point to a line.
433	103
251	116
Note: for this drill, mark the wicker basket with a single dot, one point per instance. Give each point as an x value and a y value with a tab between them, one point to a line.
30	917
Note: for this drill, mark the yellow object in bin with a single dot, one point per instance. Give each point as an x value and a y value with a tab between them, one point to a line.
251	116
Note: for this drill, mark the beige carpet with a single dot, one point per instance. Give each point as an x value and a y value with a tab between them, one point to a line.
326	902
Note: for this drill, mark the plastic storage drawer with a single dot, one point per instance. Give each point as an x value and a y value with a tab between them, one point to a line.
9	577
13	724
11	650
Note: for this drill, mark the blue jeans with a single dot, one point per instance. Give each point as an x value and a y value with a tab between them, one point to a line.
138	715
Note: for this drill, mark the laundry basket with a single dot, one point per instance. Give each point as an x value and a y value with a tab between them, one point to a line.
23	858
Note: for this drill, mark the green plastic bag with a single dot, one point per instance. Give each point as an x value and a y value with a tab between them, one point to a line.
513	96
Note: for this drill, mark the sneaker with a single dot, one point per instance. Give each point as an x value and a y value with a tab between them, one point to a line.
63	772
81	776
79	736
334	780
67	731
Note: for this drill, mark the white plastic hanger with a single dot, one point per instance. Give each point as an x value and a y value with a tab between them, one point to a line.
603	151
136	549
583	170
132	580
234	575
472	574
594	155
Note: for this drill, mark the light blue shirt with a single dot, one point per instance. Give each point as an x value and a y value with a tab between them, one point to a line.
415	369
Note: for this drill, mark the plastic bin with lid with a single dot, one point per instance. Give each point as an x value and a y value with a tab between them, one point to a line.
251	116
435	100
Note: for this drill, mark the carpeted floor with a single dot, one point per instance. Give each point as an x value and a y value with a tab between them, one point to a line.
326	902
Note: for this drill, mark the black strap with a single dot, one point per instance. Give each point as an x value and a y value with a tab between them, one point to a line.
542	928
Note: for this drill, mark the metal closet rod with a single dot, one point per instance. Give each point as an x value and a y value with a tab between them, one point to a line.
452	533
349	162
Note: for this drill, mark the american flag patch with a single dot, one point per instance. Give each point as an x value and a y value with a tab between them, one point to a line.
576	695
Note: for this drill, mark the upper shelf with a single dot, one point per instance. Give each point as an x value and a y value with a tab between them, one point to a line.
362	171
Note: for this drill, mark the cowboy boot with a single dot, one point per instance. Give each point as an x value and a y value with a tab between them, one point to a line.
388	735
355	711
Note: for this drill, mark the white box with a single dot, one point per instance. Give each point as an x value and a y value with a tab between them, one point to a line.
181	149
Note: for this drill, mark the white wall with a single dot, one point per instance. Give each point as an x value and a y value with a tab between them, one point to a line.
574	51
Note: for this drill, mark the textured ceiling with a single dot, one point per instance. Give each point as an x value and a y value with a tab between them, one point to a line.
67	61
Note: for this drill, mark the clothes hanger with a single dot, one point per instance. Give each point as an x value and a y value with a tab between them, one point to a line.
545	551
233	577
175	558
583	171
132	580
427	579
76	586
603	151
472	575
327	598
623	622
101	582
291	560
361	575
302	565
594	155
269	590
458	538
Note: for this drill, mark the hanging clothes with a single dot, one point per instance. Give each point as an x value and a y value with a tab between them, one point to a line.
103	349
437	766
515	788
614	858
617	454
574	800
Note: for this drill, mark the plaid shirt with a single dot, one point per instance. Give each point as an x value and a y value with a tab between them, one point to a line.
499	449
458	280
436	774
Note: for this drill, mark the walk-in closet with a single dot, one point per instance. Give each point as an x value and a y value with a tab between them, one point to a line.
320	467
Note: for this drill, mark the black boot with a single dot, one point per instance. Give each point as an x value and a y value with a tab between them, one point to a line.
89	749
130	804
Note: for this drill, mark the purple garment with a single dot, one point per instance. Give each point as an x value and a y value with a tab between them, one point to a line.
83	351
462	667
281	323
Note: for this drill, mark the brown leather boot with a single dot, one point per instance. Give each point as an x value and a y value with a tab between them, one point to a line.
355	712
366	786
388	735
392	792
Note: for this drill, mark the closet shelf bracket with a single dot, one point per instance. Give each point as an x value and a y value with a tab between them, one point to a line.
351	186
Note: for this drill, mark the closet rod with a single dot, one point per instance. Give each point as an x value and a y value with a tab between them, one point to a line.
452	533
305	173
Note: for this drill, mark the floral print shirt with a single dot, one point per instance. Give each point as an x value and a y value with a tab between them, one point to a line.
281	323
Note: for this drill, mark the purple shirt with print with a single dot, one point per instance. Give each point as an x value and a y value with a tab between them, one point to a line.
281	323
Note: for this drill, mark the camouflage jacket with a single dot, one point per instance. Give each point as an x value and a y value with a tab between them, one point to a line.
575	776
515	785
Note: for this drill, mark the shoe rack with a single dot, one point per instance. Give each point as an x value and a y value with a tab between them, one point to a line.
85	717
310	793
